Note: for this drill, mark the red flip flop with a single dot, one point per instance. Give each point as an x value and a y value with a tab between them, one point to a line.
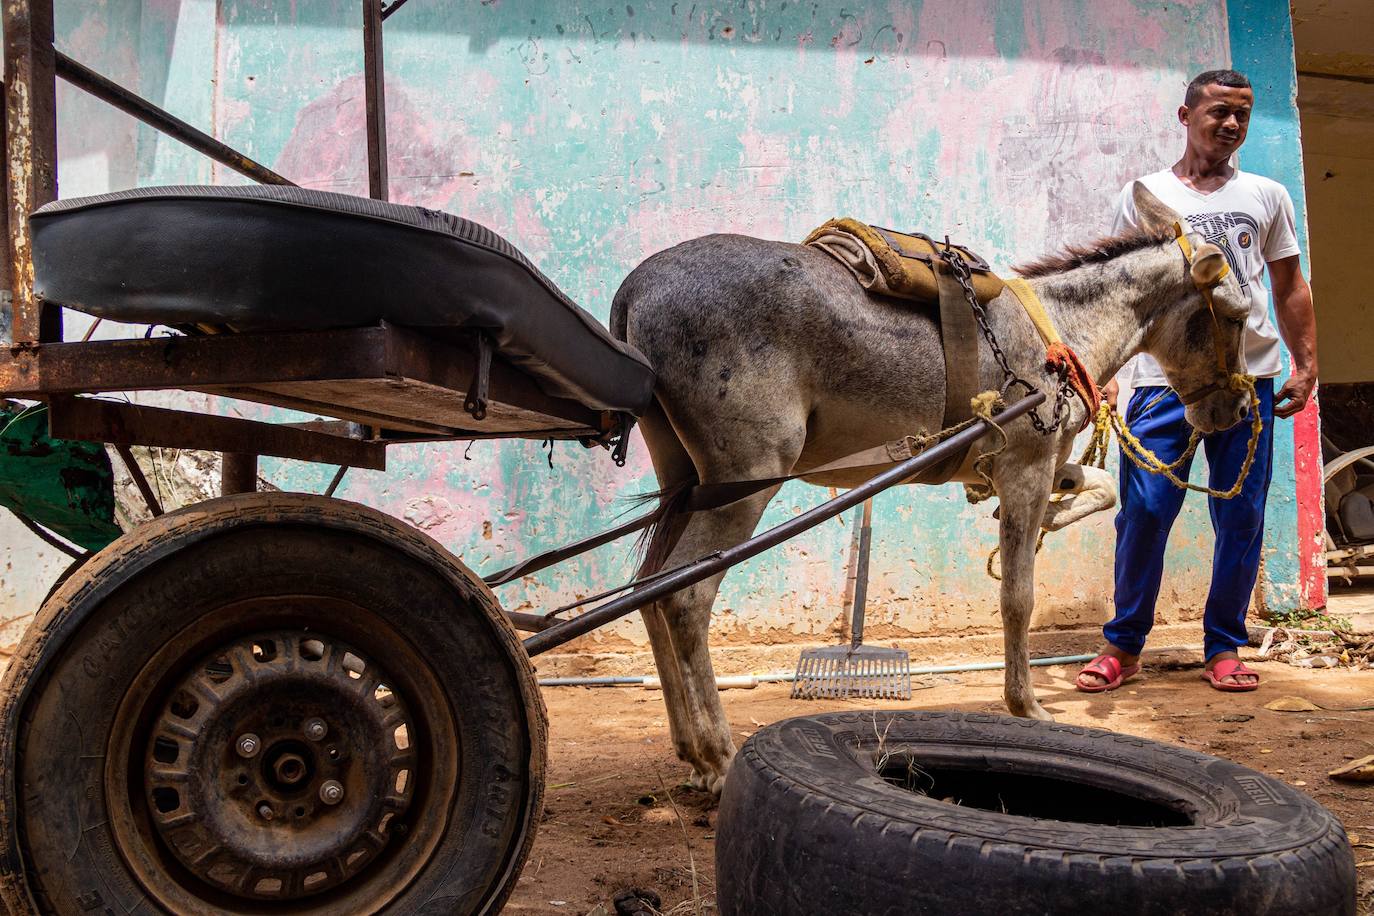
1229	667
1109	667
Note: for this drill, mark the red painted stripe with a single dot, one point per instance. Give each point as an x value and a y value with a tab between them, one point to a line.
1307	468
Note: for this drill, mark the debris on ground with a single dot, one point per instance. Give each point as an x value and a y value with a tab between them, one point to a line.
1302	704
1336	647
634	901
1361	770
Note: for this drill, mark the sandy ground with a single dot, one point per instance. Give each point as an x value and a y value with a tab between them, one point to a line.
609	821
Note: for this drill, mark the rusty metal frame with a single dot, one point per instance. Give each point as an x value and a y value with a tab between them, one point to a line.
40	365
121	423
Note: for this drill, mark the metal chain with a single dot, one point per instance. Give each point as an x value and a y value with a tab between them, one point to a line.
960	269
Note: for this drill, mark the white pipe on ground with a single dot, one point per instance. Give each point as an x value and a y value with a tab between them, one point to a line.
750	681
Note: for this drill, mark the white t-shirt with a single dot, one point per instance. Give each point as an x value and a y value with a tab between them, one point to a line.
1250	218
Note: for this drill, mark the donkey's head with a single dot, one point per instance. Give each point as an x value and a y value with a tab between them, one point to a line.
1198	339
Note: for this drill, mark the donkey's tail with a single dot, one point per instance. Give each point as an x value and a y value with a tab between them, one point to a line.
657	541
677	475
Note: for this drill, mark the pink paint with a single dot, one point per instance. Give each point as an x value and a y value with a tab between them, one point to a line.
327	148
1307	469
964	28
845	44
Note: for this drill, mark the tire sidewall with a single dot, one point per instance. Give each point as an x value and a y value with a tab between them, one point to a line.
94	634
807	825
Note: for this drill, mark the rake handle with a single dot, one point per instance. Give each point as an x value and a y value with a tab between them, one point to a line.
861	576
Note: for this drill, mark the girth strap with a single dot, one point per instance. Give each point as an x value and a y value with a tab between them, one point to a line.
959	339
714	495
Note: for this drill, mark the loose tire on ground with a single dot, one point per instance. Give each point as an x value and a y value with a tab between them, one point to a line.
825	814
160	749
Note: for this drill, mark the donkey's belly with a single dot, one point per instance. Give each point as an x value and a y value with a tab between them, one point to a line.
836	432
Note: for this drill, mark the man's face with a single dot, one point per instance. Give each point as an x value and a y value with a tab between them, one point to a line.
1218	122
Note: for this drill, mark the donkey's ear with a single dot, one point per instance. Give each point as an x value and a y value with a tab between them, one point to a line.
1209	265
1152	215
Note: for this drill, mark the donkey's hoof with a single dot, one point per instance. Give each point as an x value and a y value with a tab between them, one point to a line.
1031	710
707	782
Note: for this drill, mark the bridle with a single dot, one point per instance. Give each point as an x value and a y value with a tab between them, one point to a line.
1227	379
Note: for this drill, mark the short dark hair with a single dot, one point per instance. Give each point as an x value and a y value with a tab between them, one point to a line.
1232	79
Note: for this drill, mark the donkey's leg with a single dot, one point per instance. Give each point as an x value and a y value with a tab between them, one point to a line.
673	466
1023	488
687	616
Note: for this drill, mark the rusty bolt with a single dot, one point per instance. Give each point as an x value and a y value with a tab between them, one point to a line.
248	745
265	811
315	729
331	792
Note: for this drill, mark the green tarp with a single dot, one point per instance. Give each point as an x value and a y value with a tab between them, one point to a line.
65	486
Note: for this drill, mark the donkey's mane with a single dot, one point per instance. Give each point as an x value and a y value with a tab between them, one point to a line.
1102	250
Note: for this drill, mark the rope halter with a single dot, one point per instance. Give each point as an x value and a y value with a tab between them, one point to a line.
1229	381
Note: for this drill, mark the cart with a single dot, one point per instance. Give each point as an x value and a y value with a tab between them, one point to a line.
278	702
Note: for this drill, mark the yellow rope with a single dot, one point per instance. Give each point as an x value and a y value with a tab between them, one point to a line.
1147	460
1107	419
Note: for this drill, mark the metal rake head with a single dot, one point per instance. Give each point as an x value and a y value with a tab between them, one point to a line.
837	672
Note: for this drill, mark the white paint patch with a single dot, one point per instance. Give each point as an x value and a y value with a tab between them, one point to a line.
428	512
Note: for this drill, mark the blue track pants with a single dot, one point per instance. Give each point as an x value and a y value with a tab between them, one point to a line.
1150	503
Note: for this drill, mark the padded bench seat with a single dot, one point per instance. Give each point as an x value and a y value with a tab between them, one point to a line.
269	258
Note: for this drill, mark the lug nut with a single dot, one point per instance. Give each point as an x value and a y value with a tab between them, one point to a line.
265	811
315	729
248	745
331	792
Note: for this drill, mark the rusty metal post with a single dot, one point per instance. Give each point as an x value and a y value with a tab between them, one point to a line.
4	209
239	473
30	155
374	90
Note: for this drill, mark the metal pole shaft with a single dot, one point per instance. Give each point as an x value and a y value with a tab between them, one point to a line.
710	565
374	91
112	93
238	473
861	576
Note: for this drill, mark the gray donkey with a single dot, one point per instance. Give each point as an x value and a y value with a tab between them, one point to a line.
771	359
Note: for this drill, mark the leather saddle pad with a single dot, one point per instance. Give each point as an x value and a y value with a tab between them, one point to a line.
900	264
265	258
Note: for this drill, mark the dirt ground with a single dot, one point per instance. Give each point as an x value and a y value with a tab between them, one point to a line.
618	815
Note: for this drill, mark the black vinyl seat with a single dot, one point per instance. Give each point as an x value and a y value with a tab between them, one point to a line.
263	258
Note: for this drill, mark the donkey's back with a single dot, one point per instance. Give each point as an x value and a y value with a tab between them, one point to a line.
758	343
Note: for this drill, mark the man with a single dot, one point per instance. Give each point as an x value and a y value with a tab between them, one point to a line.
1251	219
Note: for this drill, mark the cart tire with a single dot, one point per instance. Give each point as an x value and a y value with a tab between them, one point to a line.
826	814
265	703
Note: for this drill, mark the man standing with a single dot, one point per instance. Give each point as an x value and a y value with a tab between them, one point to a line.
1251	219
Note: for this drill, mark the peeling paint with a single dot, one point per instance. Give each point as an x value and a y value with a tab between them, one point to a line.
592	137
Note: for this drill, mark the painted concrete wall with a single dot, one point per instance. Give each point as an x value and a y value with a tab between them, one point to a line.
592	135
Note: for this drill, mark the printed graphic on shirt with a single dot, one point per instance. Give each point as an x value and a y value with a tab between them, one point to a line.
1232	232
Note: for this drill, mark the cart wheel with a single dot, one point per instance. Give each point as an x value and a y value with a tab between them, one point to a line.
269	703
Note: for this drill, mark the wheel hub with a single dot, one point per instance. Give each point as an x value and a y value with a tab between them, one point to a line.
281	765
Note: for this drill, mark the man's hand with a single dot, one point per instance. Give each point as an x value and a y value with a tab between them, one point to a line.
1294	394
1110	391
1298	325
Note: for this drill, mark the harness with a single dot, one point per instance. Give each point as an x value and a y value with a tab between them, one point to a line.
1059	356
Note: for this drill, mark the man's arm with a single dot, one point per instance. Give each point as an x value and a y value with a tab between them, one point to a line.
1298	325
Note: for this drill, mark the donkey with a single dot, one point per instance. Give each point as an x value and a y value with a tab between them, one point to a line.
772	360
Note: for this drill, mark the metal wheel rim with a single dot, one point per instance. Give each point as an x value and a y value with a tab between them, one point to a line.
185	869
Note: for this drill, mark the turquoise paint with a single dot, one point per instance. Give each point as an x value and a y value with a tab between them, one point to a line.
593	134
1010	28
1261	35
